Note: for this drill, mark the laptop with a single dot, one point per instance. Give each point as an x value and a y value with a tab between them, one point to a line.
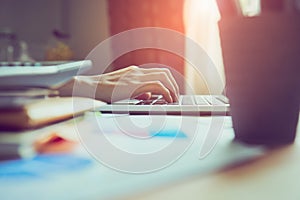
39	74
187	105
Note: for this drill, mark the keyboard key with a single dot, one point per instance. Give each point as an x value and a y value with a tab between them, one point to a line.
200	100
187	100
160	102
145	102
214	101
223	99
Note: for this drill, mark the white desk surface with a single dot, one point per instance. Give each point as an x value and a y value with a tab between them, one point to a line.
272	175
276	176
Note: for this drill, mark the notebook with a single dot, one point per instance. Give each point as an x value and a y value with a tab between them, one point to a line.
187	105
39	74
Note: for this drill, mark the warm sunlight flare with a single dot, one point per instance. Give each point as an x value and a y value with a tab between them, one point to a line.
200	18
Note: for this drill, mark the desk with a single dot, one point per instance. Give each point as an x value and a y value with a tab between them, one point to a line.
268	176
275	176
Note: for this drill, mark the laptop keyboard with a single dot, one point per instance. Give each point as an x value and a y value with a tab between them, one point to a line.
202	100
183	100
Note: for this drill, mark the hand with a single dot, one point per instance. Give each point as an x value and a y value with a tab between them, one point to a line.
130	82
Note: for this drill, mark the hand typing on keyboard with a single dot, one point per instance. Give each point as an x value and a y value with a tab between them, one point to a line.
130	82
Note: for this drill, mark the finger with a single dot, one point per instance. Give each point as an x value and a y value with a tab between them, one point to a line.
164	79
168	73
144	96
154	87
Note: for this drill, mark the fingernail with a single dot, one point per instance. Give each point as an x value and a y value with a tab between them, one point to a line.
171	99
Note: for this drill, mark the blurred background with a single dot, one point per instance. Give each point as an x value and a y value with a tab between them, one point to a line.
70	29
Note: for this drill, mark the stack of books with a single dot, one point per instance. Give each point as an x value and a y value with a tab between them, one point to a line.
24	113
23	119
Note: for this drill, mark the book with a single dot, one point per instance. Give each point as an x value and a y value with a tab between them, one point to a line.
24	113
